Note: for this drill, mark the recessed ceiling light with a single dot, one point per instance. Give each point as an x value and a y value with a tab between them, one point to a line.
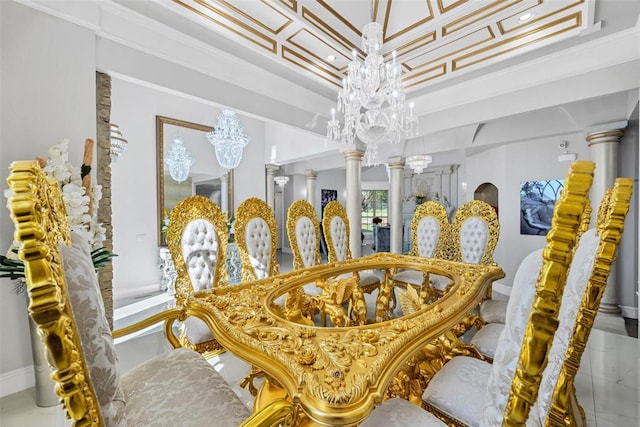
331	58
526	16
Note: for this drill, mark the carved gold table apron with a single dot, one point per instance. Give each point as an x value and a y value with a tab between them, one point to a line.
336	374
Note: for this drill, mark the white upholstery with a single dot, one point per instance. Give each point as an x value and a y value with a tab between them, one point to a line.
400	413
413	277
259	248
439	282
474	235
367	278
199	244
457	388
306	239
196	330
428	234
161	392
579	275
493	311
486	339
339	238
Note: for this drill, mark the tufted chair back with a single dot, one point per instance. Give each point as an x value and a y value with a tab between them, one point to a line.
197	237
256	238
430	222
335	225
303	230
474	233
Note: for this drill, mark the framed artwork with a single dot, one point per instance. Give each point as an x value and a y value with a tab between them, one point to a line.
326	196
537	200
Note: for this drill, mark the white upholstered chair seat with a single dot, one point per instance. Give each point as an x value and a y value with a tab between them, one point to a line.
156	396
458	389
493	311
412	277
486	339
196	330
439	282
367	279
400	413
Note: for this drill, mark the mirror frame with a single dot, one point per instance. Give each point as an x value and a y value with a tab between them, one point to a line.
160	122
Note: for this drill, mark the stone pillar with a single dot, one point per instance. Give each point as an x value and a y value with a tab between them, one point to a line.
271	190
354	199
224	193
311	186
603	141
396	192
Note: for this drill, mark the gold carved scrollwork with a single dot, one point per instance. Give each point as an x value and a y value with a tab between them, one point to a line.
473	208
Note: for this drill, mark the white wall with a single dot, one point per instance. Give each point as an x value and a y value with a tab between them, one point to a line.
48	94
134	109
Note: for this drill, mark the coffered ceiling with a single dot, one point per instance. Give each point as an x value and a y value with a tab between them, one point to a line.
434	39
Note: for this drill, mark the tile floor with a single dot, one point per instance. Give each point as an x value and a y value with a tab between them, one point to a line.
606	384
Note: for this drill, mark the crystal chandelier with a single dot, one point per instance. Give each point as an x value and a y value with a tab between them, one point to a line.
372	100
118	143
229	139
418	162
179	160
281	180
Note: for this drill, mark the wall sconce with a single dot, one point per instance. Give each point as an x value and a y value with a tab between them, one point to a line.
118	143
281	180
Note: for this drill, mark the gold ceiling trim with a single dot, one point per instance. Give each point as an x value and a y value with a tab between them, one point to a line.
255	21
426	39
318	57
406	29
477	15
310	66
490	36
577	17
340	18
452	6
291	4
322	26
538	19
443	71
272	44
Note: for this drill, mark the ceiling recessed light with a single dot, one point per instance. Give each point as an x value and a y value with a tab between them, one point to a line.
526	16
331	58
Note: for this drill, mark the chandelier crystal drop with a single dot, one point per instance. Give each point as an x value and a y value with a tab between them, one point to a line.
281	180
118	143
418	162
372	100
179	160
228	139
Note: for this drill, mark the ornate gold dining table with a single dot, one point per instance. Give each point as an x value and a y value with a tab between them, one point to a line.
335	375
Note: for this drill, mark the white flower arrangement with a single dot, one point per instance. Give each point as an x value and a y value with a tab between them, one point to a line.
82	212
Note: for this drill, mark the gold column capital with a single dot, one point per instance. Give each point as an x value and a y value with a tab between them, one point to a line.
606	136
353	155
311	174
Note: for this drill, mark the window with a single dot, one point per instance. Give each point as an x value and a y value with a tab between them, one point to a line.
374	204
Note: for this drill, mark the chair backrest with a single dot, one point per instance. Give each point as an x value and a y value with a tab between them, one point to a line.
429	224
83	359
473	234
197	237
303	230
256	235
335	225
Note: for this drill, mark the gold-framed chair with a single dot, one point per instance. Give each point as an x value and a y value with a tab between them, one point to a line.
531	379
66	305
429	231
303	230
256	235
472	238
197	237
335	225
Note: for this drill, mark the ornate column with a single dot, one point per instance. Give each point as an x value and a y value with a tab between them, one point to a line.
353	159
603	141
271	190
311	177
396	165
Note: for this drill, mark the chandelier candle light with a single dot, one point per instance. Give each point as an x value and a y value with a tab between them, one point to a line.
228	139
372	100
281	180
179	160
118	143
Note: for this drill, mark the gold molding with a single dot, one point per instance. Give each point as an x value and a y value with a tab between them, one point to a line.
446	28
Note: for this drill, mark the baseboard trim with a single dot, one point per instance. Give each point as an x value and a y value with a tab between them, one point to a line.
17	380
629	312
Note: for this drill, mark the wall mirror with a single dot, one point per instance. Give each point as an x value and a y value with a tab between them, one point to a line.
206	177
